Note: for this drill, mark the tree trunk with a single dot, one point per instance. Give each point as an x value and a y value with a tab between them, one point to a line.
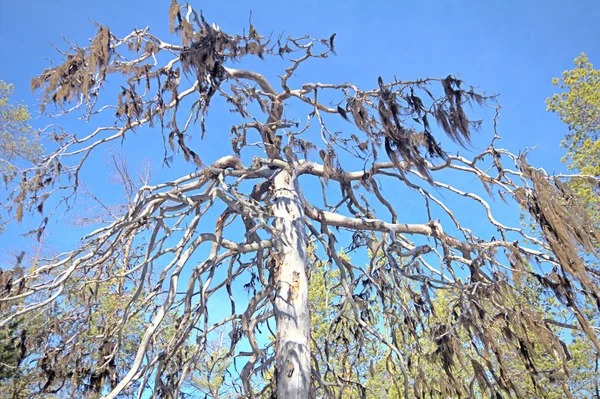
292	351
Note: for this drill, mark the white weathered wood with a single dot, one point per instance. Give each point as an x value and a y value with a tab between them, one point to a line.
292	314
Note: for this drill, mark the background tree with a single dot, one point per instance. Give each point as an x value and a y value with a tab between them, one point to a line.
97	304
578	105
19	147
19	143
246	221
372	367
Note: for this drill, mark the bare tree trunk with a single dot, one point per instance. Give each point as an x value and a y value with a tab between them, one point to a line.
291	304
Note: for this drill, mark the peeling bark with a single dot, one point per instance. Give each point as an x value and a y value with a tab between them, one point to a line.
291	304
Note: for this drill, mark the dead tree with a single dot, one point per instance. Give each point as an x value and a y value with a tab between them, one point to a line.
248	218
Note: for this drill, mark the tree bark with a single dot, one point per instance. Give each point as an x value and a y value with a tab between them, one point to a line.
292	351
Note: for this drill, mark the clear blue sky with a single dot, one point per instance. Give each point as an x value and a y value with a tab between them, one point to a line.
509	47
513	48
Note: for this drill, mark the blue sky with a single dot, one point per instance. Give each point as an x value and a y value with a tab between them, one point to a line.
509	48
506	47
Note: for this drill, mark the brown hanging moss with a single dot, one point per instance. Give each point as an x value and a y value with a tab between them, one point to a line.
566	225
77	75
